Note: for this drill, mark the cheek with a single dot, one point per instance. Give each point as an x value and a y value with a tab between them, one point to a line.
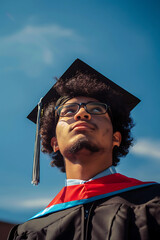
109	129
61	128
106	127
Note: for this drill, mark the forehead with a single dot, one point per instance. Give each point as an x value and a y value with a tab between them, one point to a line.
81	99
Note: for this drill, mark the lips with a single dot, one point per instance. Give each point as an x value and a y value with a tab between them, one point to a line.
82	126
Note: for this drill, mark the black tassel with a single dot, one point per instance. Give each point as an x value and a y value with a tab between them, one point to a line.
36	161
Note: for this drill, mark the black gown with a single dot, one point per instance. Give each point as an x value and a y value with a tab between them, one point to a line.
132	215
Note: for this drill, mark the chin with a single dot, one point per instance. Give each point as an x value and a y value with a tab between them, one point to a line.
82	144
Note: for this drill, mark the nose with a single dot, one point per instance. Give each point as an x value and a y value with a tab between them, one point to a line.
82	115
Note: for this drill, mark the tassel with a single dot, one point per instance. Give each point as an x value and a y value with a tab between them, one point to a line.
36	160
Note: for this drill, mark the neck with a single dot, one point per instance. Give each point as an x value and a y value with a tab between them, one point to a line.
86	165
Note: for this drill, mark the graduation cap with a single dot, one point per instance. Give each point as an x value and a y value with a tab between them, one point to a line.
129	100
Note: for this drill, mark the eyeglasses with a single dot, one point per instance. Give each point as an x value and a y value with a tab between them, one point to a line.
70	109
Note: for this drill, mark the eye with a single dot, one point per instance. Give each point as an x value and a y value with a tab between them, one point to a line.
96	108
68	110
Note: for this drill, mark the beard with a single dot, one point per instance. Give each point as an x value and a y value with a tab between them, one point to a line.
82	144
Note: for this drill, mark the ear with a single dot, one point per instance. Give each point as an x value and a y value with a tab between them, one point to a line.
54	144
117	137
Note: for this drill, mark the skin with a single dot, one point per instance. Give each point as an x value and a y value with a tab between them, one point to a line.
95	130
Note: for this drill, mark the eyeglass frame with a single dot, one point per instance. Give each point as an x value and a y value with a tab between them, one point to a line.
84	105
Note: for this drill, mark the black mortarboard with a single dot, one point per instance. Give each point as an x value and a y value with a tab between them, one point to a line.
129	100
79	66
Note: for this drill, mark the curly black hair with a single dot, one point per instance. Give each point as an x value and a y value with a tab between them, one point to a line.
87	85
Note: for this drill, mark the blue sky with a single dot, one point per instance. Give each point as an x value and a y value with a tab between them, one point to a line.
38	41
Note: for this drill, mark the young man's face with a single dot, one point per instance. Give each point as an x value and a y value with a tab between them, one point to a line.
81	131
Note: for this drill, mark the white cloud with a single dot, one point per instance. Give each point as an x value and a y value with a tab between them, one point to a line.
47	56
34	47
35	34
35	203
148	148
21	203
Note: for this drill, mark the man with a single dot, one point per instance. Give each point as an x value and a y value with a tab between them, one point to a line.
86	128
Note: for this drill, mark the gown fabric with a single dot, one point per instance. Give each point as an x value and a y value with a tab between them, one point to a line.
133	214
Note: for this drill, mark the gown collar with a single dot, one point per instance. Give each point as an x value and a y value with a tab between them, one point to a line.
106	172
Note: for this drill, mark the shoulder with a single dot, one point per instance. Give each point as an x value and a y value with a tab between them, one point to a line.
135	197
137	202
143	195
134	213
39	228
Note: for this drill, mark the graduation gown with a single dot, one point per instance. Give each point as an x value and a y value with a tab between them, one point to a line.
110	208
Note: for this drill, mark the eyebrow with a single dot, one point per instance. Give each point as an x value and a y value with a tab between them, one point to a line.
82	102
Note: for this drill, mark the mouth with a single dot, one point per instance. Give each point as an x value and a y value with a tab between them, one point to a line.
82	126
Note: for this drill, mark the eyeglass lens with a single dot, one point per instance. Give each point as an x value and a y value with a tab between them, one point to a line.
67	110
